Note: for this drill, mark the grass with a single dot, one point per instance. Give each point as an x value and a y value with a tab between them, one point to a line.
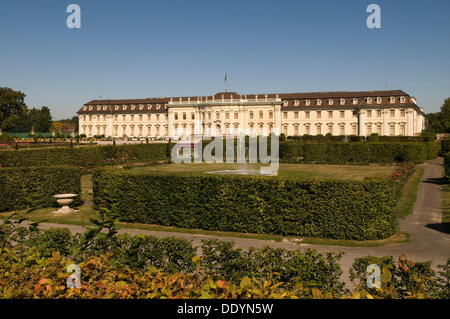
354	172
406	204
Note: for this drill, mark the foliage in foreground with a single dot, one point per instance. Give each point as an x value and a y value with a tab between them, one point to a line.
33	264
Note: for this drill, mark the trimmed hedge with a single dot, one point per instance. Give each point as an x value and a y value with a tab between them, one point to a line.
359	210
84	156
445	146
447	164
354	153
36	184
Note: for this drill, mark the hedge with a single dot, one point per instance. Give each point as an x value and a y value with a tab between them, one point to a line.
447	164
360	210
445	145
84	156
20	187
355	153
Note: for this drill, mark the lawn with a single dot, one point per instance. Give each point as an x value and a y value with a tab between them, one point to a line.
354	172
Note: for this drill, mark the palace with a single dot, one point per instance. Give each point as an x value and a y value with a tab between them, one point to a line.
338	113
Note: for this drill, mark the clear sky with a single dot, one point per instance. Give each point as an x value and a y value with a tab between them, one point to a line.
139	49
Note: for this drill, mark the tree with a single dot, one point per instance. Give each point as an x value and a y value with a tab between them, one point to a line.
440	122
43	121
11	103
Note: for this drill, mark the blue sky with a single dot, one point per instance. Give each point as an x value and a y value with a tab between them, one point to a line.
138	49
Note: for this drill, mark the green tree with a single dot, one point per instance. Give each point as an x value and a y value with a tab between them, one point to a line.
439	122
11	103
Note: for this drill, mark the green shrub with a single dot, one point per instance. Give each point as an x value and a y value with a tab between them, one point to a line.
447	164
84	156
432	150
35	186
445	146
288	206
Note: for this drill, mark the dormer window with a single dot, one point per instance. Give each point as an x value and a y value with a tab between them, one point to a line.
158	106
285	103
392	99
307	102
378	100
342	101
354	101
84	108
296	102
402	99
330	102
319	102
124	107
369	100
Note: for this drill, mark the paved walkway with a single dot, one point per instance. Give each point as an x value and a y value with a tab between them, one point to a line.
428	243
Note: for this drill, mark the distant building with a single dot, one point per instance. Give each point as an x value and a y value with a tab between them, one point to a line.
338	113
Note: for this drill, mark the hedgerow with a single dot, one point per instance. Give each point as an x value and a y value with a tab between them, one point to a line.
91	156
35	186
339	209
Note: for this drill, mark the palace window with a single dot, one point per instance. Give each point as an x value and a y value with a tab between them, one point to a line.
330	128
217	115
402	129
369	129
285	115
319	129
174	114
184	115
392	113
261	114
116	117
140	117
354	130
270	115
124	117
330	114
402	113
157	117
392	129
209	115
296	115
319	114
236	115
369	113
342	113
192	116
379	129
307	114
227	115
296	130
308	130
132	117
285	128
307	102
378	113
251	114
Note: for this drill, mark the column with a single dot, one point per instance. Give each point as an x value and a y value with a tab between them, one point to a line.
410	122
385	122
362	123
169	121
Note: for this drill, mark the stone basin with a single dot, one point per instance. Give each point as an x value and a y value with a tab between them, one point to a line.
65	200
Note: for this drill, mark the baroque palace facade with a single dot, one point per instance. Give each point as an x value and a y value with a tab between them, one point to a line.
338	113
